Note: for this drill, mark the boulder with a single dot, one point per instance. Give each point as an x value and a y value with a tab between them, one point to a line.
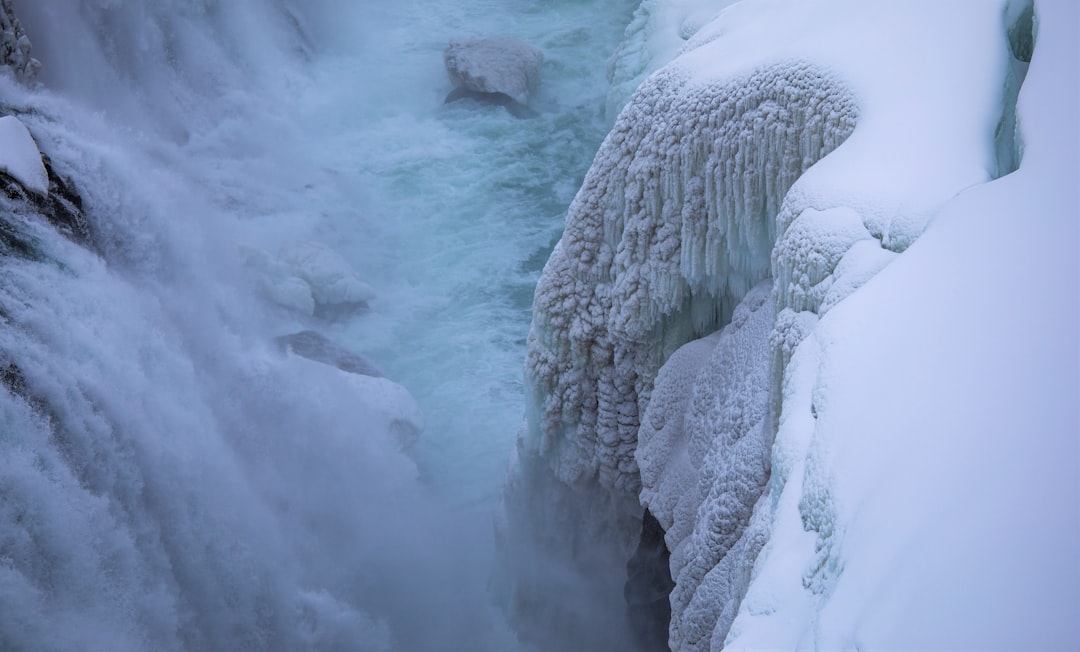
494	66
317	347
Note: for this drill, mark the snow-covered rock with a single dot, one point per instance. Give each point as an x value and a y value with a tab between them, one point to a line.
310	278
20	157
495	65
389	406
335	285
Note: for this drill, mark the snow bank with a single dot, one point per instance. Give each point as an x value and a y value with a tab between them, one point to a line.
929	499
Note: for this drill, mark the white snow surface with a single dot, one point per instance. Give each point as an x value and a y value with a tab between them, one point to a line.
932	502
813	143
20	157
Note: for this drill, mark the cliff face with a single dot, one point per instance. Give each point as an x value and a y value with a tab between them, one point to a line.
783	159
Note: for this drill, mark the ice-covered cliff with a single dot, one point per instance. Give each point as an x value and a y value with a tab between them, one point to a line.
708	330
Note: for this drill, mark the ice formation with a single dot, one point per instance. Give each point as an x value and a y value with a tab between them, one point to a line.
781	147
673	225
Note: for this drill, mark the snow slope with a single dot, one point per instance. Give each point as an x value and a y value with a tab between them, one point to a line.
946	442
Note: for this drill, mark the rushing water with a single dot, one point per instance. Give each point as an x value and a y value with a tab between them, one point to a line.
466	201
171	480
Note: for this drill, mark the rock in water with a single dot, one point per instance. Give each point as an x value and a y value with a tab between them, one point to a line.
494	66
314	346
20	157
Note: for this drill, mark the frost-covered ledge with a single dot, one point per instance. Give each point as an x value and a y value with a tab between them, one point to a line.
721	175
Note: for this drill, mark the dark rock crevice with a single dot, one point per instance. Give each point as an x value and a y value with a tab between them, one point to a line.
648	587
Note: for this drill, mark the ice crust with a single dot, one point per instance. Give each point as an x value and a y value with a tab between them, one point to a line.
798	146
656	34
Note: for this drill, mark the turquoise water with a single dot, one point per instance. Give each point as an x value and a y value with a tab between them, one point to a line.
463	203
